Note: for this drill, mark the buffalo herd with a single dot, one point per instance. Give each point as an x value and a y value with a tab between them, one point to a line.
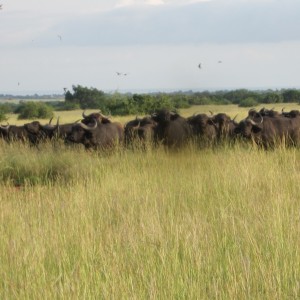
265	127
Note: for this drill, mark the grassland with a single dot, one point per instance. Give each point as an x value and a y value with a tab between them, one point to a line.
231	110
193	224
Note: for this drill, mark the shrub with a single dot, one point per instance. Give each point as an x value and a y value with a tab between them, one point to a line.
248	102
2	115
35	110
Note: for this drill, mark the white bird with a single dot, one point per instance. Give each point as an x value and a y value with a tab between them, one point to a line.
59	36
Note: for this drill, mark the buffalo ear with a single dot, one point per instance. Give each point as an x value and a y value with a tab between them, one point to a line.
256	129
174	116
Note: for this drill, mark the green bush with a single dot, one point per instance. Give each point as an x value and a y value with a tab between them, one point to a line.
248	102
34	110
2	115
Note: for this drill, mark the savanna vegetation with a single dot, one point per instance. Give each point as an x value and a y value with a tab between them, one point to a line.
121	104
133	224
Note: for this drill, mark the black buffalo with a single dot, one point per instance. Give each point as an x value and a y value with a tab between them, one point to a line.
140	130
97	135
99	117
172	130
291	114
268	131
224	125
38	132
203	128
17	133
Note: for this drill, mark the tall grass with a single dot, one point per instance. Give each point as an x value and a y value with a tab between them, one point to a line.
156	224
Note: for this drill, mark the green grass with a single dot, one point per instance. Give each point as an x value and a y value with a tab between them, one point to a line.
192	224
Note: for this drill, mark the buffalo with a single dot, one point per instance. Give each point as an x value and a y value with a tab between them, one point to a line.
172	130
99	117
224	126
267	131
291	114
203	129
17	133
38	132
96	135
140	130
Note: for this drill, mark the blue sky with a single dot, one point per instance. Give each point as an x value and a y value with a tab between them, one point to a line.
48	45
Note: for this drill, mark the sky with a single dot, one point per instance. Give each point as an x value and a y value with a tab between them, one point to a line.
154	45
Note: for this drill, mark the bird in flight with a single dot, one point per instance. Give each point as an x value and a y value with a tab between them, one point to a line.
59	36
0	6
122	74
219	62
199	66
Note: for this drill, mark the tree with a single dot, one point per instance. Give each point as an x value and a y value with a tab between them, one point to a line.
291	95
272	97
85	97
34	110
237	96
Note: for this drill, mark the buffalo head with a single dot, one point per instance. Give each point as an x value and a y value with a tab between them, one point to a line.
80	131
164	116
248	127
99	117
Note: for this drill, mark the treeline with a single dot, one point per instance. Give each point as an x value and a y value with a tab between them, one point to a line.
123	104
29	97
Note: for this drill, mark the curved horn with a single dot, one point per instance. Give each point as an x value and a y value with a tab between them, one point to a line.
211	112
253	122
137	126
235	117
84	115
103	116
50	126
256	123
89	127
5	127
